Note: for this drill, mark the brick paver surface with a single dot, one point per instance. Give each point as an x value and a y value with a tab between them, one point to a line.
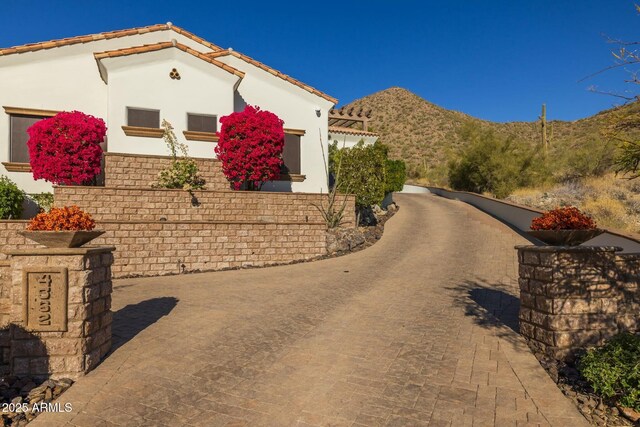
416	330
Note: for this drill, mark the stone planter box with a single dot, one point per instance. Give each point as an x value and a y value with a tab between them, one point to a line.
572	298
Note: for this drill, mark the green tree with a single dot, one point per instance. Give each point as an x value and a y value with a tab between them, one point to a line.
11	198
488	163
362	172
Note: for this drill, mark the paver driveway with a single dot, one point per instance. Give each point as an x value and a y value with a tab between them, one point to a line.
416	330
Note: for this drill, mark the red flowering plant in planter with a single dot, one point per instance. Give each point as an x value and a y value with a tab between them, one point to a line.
250	147
65	149
567	218
66	218
564	226
66	227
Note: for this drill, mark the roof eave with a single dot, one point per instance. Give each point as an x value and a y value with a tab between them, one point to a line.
274	72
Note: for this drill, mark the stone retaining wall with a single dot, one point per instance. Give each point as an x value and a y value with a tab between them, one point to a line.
157	248
138	170
151	248
575	297
148	204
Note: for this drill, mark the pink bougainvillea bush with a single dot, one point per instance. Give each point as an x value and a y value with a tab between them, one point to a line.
65	149
250	147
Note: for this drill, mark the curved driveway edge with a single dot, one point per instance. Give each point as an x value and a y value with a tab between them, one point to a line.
419	329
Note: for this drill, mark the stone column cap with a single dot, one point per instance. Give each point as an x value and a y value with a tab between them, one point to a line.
85	250
569	248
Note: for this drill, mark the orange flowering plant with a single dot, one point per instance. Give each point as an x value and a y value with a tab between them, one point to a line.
62	219
567	218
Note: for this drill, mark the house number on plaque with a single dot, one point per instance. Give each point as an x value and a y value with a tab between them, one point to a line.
45	299
44	295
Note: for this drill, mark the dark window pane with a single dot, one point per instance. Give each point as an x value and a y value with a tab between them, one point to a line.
202	123
143	118
291	154
18	151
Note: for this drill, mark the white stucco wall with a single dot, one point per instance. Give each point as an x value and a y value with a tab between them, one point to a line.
297	108
64	78
143	81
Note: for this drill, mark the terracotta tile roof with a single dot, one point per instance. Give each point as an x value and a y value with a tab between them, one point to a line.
166	45
193	37
350	131
32	47
272	71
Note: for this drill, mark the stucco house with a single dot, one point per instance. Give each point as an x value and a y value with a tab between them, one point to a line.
135	78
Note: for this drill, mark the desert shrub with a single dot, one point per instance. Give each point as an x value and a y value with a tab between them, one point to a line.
250	147
62	219
183	172
568	218
44	200
590	158
633	205
11	198
396	175
65	149
608	212
613	370
492	164
362	172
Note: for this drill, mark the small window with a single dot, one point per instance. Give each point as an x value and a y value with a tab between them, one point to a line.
140	117
202	123
18	150
291	154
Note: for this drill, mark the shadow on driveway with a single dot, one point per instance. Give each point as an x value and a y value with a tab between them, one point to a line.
129	321
490	305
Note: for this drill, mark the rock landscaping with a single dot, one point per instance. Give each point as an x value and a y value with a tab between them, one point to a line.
24	398
341	241
597	411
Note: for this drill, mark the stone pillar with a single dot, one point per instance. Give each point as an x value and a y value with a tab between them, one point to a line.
569	297
5	312
60	310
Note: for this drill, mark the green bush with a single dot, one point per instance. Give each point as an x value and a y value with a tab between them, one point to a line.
11	198
613	370
396	175
362	172
183	172
590	158
44	200
496	165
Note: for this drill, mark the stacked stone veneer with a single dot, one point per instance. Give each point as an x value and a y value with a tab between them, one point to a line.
575	297
152	248
85	338
137	170
158	231
149	204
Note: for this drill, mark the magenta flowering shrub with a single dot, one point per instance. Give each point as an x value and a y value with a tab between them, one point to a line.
65	149
250	147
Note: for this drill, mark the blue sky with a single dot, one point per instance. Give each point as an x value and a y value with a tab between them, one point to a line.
494	59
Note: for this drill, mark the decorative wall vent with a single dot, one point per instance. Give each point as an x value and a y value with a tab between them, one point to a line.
174	74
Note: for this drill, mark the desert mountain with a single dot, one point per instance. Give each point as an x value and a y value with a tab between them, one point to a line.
422	133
